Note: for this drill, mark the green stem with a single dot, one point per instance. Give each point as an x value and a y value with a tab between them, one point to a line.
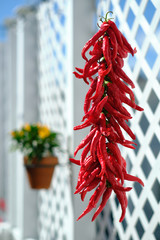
106	17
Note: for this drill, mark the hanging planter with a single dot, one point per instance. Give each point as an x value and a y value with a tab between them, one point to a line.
40	173
37	142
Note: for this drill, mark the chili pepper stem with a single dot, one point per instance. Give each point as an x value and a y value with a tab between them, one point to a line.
106	17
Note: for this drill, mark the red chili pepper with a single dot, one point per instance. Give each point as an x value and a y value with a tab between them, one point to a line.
91	42
84	153
124	125
127	45
106	50
93	71
127	143
122	86
84	173
113	137
79	69
116	152
104	72
105	130
120	73
86	169
122	189
87	123
97	48
94	144
87	210
89	188
99	191
99	97
117	104
88	96
87	139
88	74
130	103
105	158
90	114
124	164
102	118
117	32
106	196
102	166
114	112
99	87
122	52
100	105
118	167
115	184
88	65
119	61
88	162
77	75
77	162
121	198
116	126
101	161
113	42
93	113
89	180
133	178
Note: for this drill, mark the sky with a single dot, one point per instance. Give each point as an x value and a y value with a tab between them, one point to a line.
7	9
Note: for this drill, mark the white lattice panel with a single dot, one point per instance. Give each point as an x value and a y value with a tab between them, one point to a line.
55	209
140	22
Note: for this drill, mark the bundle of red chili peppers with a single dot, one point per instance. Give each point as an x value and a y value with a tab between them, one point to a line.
102	166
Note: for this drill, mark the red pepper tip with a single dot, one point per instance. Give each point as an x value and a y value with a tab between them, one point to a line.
93	218
135	50
141	182
121	219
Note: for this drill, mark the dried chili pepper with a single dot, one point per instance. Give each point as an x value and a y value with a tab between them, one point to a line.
89	188
91	42
102	166
105	198
113	43
106	51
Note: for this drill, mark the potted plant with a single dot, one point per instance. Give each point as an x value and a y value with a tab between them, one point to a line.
37	142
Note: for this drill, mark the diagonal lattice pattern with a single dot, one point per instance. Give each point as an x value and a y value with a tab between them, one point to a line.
55	210
140	22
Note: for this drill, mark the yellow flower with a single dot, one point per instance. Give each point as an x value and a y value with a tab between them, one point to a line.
21	133
39	125
27	127
13	133
43	132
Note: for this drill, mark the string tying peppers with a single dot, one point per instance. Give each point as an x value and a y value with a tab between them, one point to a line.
102	166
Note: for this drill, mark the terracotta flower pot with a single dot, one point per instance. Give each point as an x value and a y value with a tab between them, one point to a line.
40	173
